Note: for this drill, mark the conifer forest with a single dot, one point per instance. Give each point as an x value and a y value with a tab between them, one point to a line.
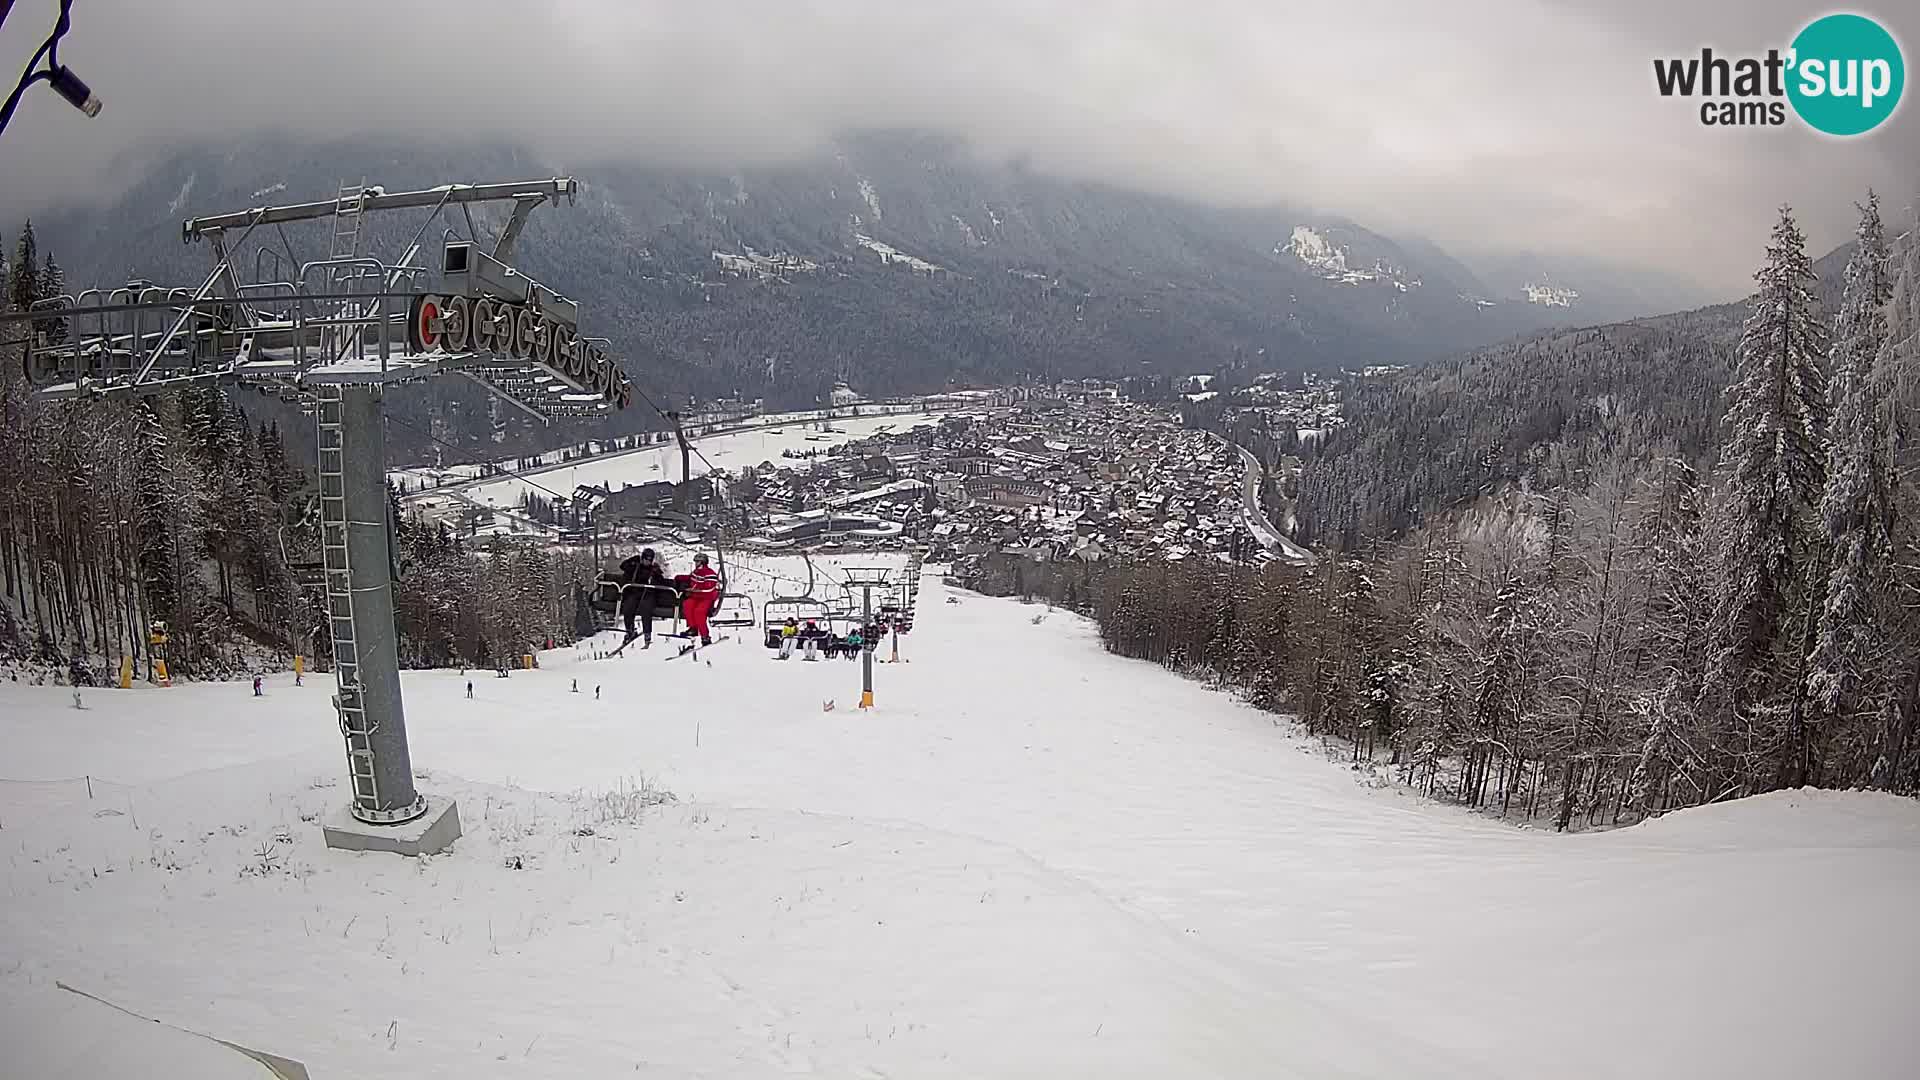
1596	574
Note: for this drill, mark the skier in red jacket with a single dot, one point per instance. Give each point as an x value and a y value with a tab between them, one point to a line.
703	593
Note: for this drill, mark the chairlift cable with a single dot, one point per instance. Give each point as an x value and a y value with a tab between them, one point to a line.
664	415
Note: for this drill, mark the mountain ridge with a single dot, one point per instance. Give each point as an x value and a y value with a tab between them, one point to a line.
897	262
1536	412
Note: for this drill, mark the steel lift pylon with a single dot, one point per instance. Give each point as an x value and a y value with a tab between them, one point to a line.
336	335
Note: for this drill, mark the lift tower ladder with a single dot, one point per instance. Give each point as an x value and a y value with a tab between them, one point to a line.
356	726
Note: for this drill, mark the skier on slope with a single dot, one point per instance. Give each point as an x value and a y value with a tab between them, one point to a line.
703	593
641	578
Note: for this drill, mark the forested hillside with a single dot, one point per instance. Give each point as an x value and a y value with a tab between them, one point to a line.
1600	573
1539	412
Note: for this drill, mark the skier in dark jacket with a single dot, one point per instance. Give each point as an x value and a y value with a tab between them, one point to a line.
641	583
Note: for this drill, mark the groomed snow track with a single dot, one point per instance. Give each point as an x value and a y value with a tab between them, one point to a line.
1032	859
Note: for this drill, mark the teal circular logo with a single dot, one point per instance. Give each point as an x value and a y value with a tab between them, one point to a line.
1846	74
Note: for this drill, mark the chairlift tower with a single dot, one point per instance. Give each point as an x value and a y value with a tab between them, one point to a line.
334	333
867	579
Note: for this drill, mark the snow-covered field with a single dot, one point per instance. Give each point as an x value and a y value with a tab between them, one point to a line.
729	452
419	476
1033	860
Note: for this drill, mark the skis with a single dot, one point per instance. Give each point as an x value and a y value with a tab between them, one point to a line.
623	646
645	588
695	647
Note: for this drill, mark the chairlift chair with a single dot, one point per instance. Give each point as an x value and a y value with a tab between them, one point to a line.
781	608
839	626
608	588
732	609
605	613
843	625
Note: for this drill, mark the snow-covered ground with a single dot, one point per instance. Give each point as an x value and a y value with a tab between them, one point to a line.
1033	859
730	452
890	254
429	476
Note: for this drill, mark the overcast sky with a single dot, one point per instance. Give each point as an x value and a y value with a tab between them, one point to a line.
1485	125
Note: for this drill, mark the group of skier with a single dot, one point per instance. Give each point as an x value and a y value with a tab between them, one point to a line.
814	640
644	585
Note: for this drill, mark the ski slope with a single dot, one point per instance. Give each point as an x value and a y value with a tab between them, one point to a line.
730	452
1032	860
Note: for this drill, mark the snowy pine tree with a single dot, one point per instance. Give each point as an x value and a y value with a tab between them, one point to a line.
1352	707
1503	684
1895	755
1775	463
252	514
1599	594
1432	697
153	522
23	278
1856	511
274	471
53	283
1661	753
1670	552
